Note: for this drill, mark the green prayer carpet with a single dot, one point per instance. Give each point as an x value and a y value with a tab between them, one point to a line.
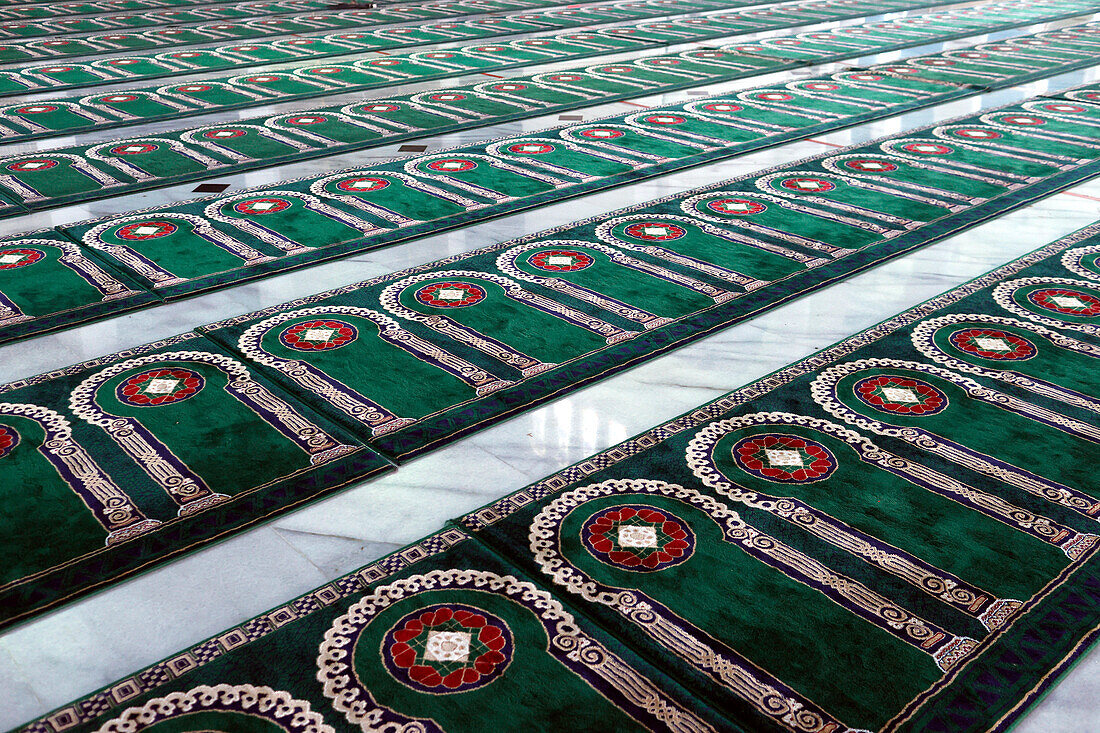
871	539
181	250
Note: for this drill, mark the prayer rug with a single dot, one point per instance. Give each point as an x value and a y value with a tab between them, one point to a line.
265	24
183	99
111	466
914	505
502	328
113	168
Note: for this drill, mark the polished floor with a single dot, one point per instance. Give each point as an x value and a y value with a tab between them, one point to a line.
85	645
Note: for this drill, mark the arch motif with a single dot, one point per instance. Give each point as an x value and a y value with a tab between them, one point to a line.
528	366
688	206
473	188
347	400
923	341
1071	260
38	74
77	162
107	503
318	189
1007	179
1040	132
270	236
93	101
458	112
764	184
153	272
506	263
175	91
184	486
571	646
823	390
604	232
97	154
1002	296
71	257
497	149
351	111
205	142
769	695
1063	162
573	134
276	123
916	191
684	137
257	701
241	82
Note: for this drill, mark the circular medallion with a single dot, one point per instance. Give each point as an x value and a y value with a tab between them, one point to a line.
531	148
508	87
447	97
1067	302
788	459
163	386
261	79
736	207
452	165
449	647
560	260
134	148
601	133
617	70
261	206
19	257
865	77
927	149
807	185
1023	120
976	133
991	343
564	77
146	230
379	108
638	537
655	231
328	70
32	165
319	335
450	294
224	134
194	88
723	107
439	55
119	98
665	119
870	165
8	440
820	86
901	395
1066	109
362	184
1091	96
306	120
774	96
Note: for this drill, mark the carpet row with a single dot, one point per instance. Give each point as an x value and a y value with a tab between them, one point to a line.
717	572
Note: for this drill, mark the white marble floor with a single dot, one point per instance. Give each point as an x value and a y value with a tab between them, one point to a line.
87	644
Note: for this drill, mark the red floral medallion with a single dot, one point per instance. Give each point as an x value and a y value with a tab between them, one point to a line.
601	133
19	257
807	185
362	184
664	119
531	148
901	395
450	294
163	386
224	134
789	459
32	166
870	165
928	148
1067	302
377	108
318	335
655	231
448	647
723	107
736	207
991	343
1023	120
452	165
306	120
977	133
8	440
146	230
638	537
560	260
134	148
254	207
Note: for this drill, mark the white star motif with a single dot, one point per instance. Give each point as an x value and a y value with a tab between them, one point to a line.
530	148
145	231
450	294
899	394
1067	301
447	646
223	133
380	108
655	231
264	205
637	536
926	148
784	457
33	165
318	334
133	148
872	166
10	259
559	260
451	165
992	344
808	185
161	386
